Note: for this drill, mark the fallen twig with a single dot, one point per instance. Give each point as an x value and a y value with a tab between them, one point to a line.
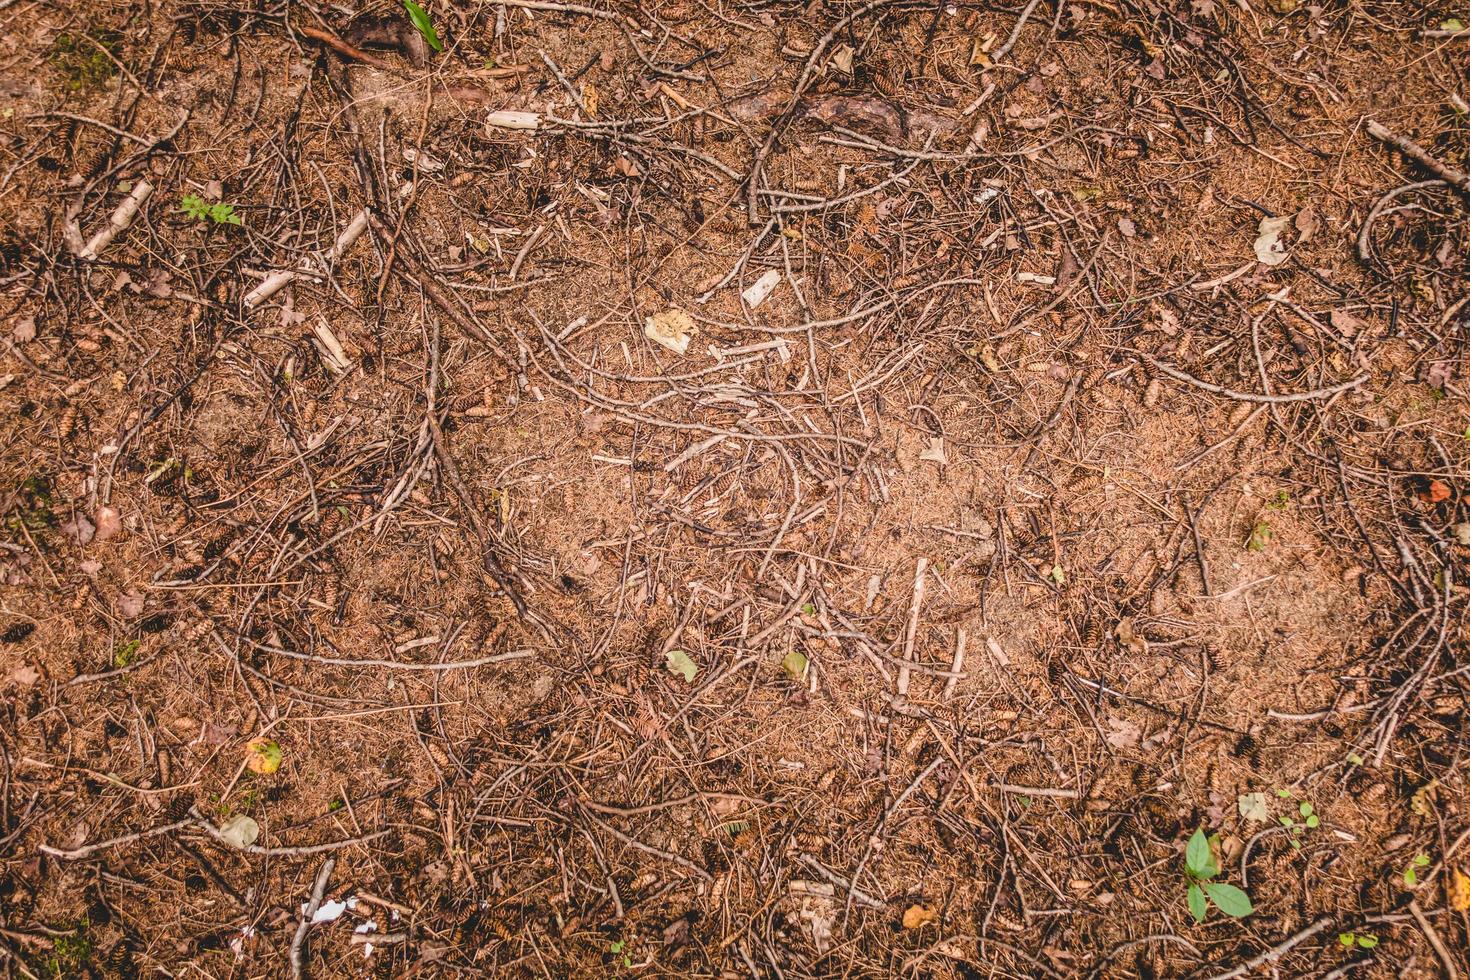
1451	175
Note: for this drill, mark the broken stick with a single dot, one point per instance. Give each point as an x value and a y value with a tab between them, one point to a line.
1451	175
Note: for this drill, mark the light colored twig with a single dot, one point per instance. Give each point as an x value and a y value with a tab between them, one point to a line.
298	941
1250	396
913	627
119	221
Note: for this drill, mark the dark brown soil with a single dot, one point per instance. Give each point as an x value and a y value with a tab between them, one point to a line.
440	522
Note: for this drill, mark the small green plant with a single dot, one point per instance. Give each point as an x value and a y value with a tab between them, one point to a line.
1411	873
1281	501
423	24
1200	868
69	954
1309	821
199	209
83	59
619	947
126	653
1362	940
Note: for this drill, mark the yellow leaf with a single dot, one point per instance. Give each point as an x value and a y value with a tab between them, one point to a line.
1460	891
1422	797
917	917
263	756
589	98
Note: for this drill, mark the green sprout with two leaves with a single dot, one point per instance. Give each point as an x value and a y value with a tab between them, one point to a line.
1201	866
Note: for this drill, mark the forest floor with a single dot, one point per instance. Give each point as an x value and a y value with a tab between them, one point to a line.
734	489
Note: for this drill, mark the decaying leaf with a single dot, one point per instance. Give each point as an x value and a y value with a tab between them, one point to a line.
1122	733
672	328
917	917
1269	247
1130	638
935	452
1435	491
1423	797
108	521
679	663
1459	891
1253	807
239	831
263	756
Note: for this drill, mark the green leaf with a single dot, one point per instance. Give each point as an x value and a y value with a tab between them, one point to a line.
1347	939
1305	809
1312	821
1197	906
679	663
795	665
1452	24
425	26
1229	899
1411	877
809	608
1197	859
1355	759
1368	942
1284	794
1059	575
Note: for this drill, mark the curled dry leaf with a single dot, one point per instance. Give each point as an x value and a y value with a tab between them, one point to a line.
1270	249
1129	637
108	521
1434	492
917	917
672	328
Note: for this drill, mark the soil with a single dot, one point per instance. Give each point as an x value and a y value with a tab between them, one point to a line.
1079	475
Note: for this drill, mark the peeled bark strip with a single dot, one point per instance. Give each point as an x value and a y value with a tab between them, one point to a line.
118	222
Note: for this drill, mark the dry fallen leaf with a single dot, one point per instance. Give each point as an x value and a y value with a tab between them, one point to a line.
917	917
1459	891
1129	638
935	452
1270	250
263	756
239	831
109	522
24	676
672	328
1434	492
130	605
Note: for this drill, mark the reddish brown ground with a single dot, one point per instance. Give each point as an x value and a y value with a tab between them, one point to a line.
1170	596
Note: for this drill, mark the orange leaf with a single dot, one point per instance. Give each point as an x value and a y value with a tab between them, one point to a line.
917	917
1459	891
1436	491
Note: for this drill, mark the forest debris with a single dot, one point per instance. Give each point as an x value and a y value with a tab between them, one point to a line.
917	917
121	218
1425	159
672	328
935	452
755	294
329	348
239	831
1269	248
276	281
512	119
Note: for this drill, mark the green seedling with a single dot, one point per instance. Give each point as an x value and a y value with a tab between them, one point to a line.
1411	873
199	209
423	24
1200	868
125	653
1363	940
620	948
1308	821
